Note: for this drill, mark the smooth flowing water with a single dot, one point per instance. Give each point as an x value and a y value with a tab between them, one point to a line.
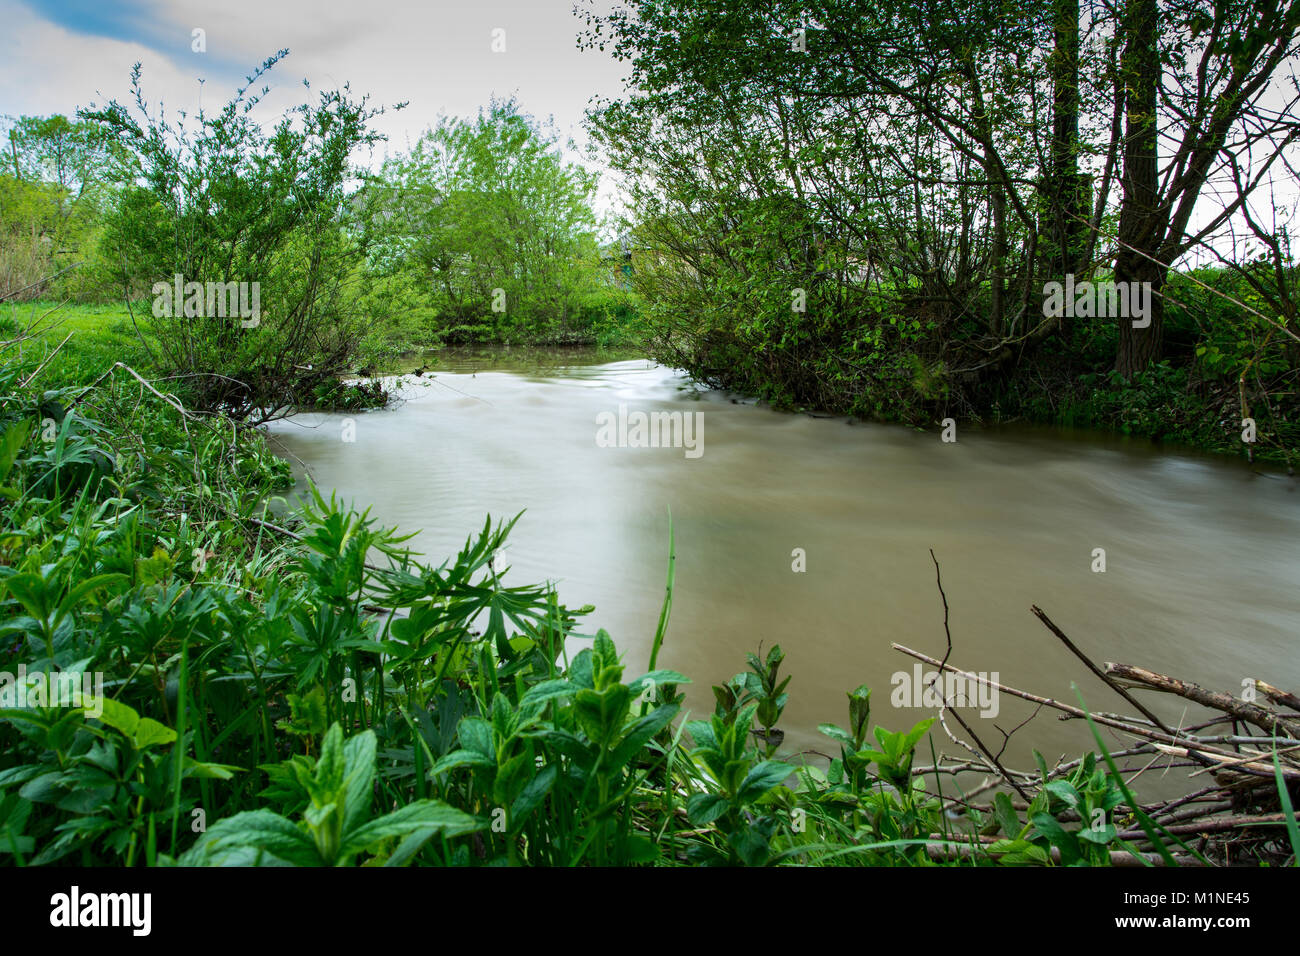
1201	560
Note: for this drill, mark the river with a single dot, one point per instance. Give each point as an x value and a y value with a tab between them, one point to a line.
1200	553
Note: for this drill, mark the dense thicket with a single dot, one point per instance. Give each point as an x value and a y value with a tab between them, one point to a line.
56	178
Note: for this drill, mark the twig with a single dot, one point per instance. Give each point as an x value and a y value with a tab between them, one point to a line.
28	380
1114	685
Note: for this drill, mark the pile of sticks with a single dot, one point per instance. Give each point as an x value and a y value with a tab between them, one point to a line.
1231	812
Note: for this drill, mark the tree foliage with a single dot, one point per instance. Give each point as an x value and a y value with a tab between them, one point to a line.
223	200
491	229
860	205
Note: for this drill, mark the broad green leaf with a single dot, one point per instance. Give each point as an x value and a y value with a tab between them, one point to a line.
432	815
704	808
461	758
531	797
149	732
255	829
763	778
118	715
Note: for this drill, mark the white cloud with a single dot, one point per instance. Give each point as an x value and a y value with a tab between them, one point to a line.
435	55
45	68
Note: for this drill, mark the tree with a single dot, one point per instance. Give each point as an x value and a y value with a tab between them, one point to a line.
1200	77
898	131
229	208
75	156
55	179
954	148
493	223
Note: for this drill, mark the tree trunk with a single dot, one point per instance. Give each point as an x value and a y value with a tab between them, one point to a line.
1068	200
997	292
1141	222
1139	347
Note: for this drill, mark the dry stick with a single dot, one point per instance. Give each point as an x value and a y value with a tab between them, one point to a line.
938	678
28	380
957	766
961	743
1193	813
969	767
169	399
1128	728
1252	741
985	750
1112	684
1216	825
1277	695
1226	763
947	852
1199	795
1261	717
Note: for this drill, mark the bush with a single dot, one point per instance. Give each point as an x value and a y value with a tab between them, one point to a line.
232	208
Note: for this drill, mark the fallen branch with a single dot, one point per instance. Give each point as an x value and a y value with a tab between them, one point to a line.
1263	718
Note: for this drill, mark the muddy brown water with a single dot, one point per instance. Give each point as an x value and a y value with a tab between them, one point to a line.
1202	568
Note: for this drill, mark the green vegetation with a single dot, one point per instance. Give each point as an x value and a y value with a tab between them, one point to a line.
307	691
234	234
827	210
860	208
484	233
56	183
272	696
96	337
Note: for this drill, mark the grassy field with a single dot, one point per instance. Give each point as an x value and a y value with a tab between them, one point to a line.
97	336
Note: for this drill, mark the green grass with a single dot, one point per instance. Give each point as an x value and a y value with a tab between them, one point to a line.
100	336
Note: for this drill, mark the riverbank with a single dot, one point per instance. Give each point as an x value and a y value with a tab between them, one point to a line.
1180	405
1225	379
244	660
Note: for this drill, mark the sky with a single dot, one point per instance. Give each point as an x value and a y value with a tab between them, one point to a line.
57	55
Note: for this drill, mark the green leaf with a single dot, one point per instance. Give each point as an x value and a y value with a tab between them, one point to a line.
836	734
1101	835
149	732
548	690
704	808
656	678
330	766
640	733
11	442
359	770
640	849
1058	836
432	815
512	776
1288	814
253	829
86	587
701	732
916	733
763	778
461	758
1006	815
476	734
1066	793
532	795
117	715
